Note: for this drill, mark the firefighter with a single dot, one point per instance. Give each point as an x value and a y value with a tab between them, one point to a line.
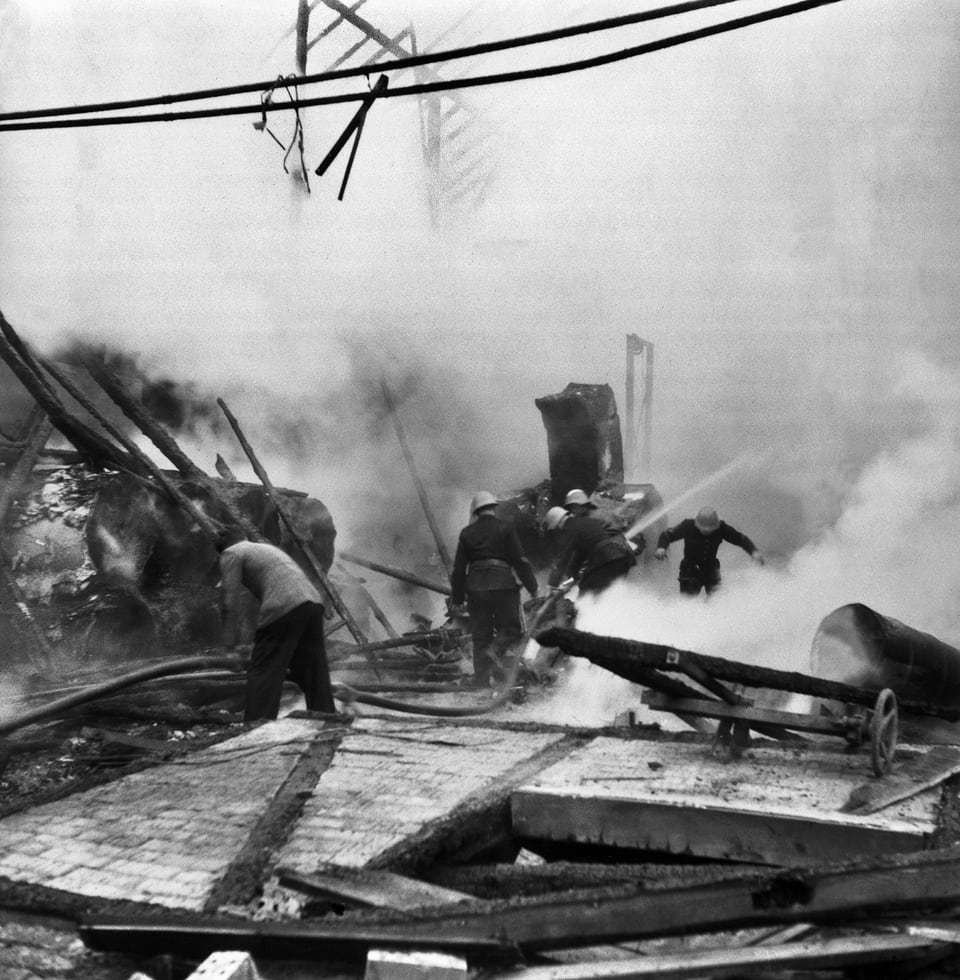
580	505
590	553
289	633
702	536
489	555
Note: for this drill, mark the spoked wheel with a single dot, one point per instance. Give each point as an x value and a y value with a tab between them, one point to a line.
883	731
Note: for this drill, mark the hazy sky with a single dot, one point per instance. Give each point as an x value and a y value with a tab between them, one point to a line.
776	210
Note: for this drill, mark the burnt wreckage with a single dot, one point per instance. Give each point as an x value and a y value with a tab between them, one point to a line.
369	842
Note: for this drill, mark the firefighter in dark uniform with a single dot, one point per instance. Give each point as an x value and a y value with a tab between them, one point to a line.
591	554
488	556
580	505
702	536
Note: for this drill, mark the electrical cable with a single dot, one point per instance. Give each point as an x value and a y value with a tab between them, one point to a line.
428	88
398	64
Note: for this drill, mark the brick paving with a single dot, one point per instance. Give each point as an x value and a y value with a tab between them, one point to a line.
389	779
164	835
167	835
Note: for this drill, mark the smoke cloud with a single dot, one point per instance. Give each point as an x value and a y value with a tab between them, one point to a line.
776	210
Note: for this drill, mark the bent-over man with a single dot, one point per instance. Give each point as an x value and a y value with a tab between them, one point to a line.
591	554
289	633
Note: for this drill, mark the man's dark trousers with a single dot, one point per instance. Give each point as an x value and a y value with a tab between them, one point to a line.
495	627
293	642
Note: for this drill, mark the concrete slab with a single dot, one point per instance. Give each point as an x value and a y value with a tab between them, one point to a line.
775	806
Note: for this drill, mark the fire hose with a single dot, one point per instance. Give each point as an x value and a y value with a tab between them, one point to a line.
181	665
351	695
342	692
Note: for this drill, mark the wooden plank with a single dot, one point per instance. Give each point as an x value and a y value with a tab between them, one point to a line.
815	724
829	954
905	780
360	888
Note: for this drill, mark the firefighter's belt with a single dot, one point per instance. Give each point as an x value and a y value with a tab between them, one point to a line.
489	563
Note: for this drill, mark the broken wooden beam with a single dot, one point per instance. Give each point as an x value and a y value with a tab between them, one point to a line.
366	888
96	450
398	573
147	465
442	551
831	895
372	603
137	414
304	547
199	935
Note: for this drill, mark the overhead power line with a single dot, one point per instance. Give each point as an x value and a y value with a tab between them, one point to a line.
499	78
396	64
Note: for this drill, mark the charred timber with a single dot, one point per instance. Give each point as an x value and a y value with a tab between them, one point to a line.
398	573
305	549
137	414
830	895
632	659
442	551
147	464
97	451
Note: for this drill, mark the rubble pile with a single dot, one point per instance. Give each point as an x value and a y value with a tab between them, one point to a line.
426	828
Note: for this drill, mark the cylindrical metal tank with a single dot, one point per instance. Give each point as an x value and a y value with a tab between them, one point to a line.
857	645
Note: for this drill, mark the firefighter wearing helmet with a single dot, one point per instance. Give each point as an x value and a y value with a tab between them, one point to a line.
580	505
488	563
593	551
702	536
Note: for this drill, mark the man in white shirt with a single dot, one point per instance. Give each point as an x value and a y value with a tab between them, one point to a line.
289	632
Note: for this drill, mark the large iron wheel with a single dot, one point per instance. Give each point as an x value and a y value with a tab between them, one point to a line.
884	727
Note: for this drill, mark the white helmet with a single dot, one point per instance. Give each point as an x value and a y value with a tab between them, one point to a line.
481	499
707	520
556	517
576	497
